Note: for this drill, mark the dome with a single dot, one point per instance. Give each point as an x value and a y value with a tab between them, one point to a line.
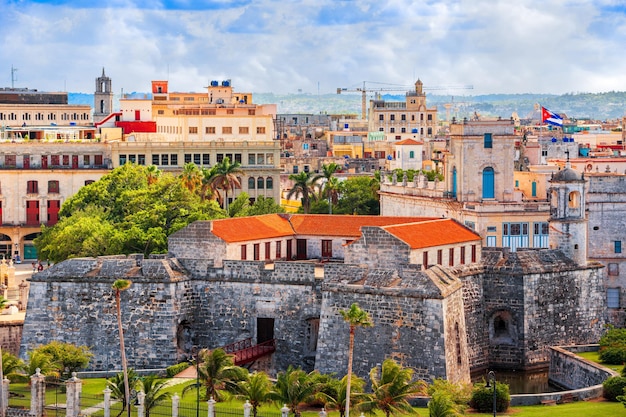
567	174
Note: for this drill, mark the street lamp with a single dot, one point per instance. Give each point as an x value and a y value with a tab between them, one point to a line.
491	378
195	354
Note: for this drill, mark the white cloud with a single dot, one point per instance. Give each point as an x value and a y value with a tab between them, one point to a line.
508	46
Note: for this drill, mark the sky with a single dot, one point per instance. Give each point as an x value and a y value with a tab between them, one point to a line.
464	47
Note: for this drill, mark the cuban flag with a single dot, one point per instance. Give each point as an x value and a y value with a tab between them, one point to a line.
551	118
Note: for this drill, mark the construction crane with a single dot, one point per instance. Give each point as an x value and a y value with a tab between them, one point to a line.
364	90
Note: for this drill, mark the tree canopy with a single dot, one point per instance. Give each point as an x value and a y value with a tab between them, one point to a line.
130	210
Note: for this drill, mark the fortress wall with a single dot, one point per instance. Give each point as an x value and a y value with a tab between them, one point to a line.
11	335
476	326
377	248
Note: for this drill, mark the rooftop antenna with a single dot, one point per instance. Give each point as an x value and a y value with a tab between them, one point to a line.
13	76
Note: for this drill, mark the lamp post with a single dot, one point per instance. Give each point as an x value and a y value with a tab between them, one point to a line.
491	379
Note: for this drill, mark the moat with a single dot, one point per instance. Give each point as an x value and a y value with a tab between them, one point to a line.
522	382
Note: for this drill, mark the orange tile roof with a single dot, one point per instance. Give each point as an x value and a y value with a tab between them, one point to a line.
408	142
239	229
431	233
343	225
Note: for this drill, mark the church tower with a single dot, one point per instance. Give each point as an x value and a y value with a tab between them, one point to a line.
103	98
568	224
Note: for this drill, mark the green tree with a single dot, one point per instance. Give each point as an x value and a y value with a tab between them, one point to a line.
264	205
67	358
355	317
304	187
117	384
331	184
44	362
392	386
336	393
119	286
358	195
294	387
154	390
217	372
12	367
442	405
240	206
225	178
256	389
153	174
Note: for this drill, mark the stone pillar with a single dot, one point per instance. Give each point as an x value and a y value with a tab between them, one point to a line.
211	407
404	179
246	409
73	389
107	402
37	394
5	396
23	295
175	401
284	411
141	396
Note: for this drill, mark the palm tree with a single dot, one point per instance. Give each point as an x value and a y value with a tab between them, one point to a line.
256	389
12	367
225	178
331	188
217	372
207	190
119	286
336	395
392	385
303	187
44	362
355	317
191	177
295	386
117	385
442	405
153	388
153	174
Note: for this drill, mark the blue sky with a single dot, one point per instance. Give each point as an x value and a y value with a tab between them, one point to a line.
316	46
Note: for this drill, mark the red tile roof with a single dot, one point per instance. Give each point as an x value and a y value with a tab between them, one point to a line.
431	233
239	229
343	225
408	142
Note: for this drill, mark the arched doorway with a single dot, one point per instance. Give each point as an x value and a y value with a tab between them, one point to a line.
488	183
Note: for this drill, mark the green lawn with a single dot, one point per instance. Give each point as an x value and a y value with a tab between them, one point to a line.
595	357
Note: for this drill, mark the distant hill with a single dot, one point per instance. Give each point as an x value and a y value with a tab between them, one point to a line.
598	106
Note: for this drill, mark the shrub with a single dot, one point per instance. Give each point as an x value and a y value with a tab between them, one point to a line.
613	346
482	397
460	394
613	387
176	369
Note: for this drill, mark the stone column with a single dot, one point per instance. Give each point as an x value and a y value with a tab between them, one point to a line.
5	396
107	402
175	400
211	407
37	394
246	409
23	295
73	388
141	396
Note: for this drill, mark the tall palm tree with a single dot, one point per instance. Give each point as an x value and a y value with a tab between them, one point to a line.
355	317
303	187
336	398
207	189
191	177
256	389
225	178
119	286
331	189
217	372
392	385
293	387
154	390
117	385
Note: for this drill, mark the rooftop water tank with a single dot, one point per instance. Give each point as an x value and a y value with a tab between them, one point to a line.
214	83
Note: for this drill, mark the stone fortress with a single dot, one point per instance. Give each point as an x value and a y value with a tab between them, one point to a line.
440	302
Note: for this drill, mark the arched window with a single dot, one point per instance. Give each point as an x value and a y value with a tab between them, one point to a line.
251	183
488	183
574	199
269	183
260	183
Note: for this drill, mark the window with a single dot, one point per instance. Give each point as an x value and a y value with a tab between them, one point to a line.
260	130
86	160
87	182
487	141
209	130
540	235
392	117
289	249
196	158
278	249
295	169
269	183
206	159
227	130
491	241
327	248
473	253
53	211
613	269
612	297
32	212
32	187
268	248
425	259
155	159
123	159
251	159
141	159
251	183
451	257
439	256
257	251
243	130
193	130
165	159
617	246
53	186
411	154
381	117
260	183
462	255
244	252
403	117
515	235
174	159
392	130
430	117
220	158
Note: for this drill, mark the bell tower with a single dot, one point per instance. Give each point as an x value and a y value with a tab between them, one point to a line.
568	224
103	98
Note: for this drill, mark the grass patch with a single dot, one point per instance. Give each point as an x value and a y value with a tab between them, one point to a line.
595	357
